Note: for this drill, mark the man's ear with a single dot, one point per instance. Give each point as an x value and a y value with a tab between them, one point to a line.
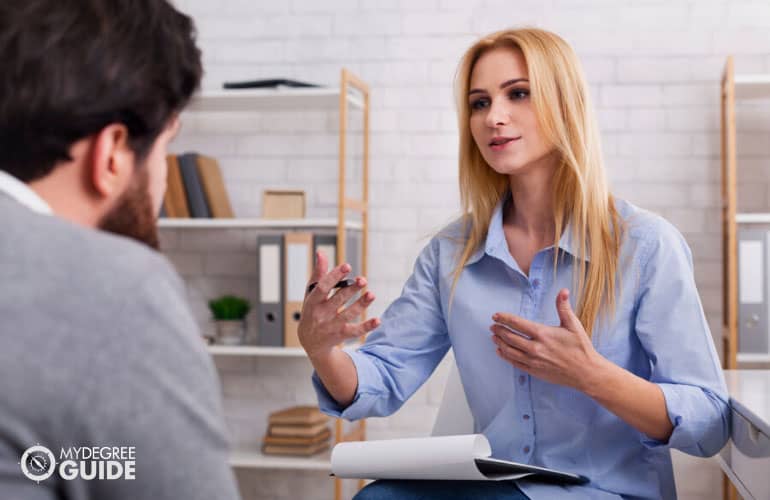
112	161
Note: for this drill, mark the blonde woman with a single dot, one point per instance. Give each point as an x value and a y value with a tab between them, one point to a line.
617	364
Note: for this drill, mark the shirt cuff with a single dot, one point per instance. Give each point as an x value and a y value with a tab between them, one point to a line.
367	392
677	413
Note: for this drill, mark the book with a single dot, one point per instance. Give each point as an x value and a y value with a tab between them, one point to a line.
196	200
268	83
175	200
298	415
303	451
296	430
298	441
210	177
465	457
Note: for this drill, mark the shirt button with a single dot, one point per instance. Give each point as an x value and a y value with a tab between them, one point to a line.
536	283
526	417
526	449
522	379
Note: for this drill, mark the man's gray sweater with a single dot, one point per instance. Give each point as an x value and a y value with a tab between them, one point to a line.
98	348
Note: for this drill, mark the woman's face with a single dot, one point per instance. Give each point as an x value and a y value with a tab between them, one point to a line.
502	119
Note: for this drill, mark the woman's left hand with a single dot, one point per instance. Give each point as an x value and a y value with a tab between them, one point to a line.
561	354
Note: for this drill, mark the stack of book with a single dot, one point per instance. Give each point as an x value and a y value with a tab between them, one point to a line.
299	431
195	188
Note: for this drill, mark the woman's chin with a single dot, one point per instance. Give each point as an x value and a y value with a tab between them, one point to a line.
508	168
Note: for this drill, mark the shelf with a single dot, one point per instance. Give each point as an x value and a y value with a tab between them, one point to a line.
752	218
753	358
253	350
752	86
255	459
237	223
257	351
262	99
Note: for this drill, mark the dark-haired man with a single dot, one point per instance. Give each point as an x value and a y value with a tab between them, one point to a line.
106	391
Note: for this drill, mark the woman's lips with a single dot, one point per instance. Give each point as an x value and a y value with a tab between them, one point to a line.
500	143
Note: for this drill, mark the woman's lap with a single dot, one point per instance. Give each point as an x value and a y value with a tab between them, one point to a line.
444	490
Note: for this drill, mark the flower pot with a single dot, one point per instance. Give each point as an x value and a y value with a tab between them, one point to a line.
231	332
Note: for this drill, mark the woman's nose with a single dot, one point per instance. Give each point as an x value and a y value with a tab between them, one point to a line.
497	115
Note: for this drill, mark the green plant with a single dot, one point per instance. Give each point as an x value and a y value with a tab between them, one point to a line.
229	307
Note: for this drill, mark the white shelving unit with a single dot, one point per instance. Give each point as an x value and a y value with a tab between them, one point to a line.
352	93
752	218
256	351
280	98
744	357
747	88
261	351
237	223
752	86
255	459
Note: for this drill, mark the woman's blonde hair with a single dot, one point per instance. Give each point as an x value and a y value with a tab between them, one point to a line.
559	94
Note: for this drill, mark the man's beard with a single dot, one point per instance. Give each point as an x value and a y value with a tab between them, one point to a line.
133	214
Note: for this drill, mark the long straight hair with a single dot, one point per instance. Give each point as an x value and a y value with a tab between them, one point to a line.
559	95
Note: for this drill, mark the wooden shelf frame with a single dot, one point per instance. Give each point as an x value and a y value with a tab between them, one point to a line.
350	81
734	87
729	222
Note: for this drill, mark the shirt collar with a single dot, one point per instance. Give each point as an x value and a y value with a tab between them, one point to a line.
496	237
22	193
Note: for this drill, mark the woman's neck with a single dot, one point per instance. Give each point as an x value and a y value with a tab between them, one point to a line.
531	207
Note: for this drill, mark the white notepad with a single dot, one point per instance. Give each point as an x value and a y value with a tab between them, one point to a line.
465	457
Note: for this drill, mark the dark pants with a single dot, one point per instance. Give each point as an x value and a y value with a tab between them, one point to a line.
440	490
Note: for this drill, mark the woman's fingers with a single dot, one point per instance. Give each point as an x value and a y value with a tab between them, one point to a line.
320	268
342	296
519	324
351	330
326	283
511	354
513	339
355	310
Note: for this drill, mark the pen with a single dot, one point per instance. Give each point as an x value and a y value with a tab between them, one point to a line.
340	284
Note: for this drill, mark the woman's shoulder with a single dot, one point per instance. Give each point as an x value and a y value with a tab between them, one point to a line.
448	241
645	229
456	229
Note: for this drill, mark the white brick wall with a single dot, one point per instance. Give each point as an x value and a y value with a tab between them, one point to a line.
654	69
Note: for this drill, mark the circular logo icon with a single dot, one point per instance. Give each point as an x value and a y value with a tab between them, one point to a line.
38	463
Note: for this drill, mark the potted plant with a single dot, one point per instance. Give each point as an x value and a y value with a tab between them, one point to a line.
230	315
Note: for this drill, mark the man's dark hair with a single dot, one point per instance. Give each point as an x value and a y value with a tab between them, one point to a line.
68	68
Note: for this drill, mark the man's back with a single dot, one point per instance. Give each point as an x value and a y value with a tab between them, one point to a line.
98	349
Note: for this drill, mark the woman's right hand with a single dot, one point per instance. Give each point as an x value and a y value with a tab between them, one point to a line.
323	322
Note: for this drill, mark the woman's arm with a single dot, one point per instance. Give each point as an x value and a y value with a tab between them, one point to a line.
564	355
378	377
338	375
684	403
638	402
324	325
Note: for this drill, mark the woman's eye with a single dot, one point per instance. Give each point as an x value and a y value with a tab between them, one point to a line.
479	104
517	94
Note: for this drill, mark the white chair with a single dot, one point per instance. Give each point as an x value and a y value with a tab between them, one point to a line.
454	415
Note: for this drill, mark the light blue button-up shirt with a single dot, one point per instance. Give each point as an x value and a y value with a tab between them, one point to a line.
659	332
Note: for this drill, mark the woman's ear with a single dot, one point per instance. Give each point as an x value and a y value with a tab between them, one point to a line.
112	161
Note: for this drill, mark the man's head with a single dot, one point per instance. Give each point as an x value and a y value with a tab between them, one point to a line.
90	92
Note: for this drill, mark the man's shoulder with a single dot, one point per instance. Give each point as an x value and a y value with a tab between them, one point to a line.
51	249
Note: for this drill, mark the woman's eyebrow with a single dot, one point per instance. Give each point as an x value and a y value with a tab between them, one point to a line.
502	85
